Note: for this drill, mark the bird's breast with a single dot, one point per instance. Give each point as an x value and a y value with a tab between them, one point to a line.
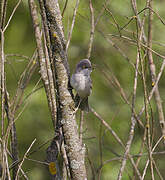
81	84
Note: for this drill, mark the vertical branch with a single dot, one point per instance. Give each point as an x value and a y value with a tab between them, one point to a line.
46	72
5	104
3	145
2	63
133	120
153	78
49	62
14	146
57	126
147	115
153	72
65	168
81	126
146	104
2	83
151	62
3	13
75	152
47	77
140	23
100	150
92	29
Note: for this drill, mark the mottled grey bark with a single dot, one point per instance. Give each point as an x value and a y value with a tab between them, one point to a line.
74	149
47	78
55	47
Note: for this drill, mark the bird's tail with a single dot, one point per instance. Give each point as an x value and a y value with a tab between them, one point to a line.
82	103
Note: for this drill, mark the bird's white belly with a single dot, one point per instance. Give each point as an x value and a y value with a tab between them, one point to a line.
81	85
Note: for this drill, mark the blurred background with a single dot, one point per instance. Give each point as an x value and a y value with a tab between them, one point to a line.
110	55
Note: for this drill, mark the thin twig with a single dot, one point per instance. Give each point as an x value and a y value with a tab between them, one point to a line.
117	25
19	167
65	5
147	163
3	9
36	161
12	14
81	126
133	120
92	29
2	83
101	12
18	55
100	150
153	72
72	25
154	86
108	127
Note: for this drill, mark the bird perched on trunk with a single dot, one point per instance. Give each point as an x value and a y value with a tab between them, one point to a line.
82	83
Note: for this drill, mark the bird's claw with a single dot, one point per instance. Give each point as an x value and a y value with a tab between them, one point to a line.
75	110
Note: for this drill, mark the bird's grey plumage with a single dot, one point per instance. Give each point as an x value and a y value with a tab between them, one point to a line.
82	83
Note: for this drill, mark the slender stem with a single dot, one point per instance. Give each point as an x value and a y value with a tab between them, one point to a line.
72	25
92	30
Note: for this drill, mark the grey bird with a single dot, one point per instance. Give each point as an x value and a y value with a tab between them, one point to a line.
82	83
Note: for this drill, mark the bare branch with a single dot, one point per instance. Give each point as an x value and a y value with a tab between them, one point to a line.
74	150
12	14
153	73
19	167
92	29
72	25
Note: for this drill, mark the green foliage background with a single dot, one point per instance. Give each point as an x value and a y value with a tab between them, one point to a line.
35	121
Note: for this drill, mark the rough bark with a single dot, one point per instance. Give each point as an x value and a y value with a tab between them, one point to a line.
74	149
65	105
